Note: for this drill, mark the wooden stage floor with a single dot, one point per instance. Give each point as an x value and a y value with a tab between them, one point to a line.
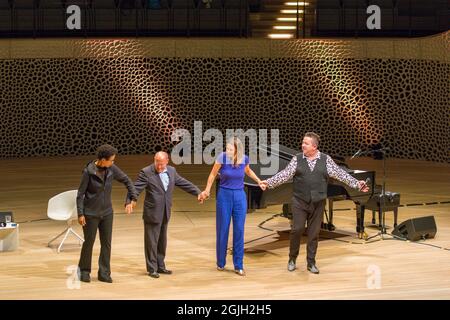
408	270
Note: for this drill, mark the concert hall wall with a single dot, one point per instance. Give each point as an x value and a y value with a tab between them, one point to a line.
67	96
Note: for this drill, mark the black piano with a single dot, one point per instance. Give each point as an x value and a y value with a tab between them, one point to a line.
258	199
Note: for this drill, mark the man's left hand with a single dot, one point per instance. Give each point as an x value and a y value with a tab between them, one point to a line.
202	197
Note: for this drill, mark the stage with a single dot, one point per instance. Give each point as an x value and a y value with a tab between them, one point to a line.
408	270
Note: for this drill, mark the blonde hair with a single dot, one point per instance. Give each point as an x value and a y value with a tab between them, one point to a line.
238	157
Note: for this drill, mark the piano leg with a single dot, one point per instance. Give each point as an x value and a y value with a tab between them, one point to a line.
360	222
373	217
328	225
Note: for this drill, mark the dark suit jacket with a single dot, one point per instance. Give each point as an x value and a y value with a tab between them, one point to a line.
157	201
94	193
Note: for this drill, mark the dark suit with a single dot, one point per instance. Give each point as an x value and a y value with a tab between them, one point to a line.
157	208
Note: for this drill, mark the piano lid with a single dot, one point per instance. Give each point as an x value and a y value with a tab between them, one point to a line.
283	154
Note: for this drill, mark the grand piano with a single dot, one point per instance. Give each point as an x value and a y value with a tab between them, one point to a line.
258	199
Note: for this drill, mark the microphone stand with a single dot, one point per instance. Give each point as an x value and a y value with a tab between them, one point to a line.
382	232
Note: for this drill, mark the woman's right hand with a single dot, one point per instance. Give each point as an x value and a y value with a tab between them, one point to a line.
82	220
205	193
203	196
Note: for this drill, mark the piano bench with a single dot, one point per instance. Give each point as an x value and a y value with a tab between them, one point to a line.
391	203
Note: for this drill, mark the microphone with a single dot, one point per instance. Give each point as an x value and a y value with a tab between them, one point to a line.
356	154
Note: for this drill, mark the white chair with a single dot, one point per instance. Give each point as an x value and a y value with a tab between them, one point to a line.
63	207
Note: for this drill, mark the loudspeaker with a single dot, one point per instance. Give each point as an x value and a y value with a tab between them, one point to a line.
416	228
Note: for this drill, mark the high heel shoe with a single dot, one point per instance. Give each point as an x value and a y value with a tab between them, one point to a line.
240	272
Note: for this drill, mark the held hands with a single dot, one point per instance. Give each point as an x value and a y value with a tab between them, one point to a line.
203	196
263	185
129	207
363	186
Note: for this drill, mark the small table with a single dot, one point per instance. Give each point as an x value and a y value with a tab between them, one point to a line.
9	238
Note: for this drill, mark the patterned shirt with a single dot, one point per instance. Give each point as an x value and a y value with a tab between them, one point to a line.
333	171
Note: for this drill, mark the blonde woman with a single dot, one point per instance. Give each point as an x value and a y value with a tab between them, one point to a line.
231	203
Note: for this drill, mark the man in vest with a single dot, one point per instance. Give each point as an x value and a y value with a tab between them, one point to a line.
310	171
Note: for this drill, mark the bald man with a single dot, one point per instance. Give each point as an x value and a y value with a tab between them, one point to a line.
159	180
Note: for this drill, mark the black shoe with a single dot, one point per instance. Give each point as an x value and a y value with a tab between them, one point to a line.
164	271
291	265
154	274
85	277
107	279
313	269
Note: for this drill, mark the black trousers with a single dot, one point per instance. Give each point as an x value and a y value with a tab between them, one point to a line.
155	244
303	212
104	226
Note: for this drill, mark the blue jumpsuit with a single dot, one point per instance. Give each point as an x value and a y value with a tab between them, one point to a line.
231	204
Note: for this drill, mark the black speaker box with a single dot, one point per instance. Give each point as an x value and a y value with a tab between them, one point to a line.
416	228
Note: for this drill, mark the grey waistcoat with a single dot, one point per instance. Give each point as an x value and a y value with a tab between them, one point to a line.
311	186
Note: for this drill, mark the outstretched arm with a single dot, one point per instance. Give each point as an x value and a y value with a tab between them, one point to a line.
186	185
211	178
335	172
121	177
139	185
283	176
249	172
